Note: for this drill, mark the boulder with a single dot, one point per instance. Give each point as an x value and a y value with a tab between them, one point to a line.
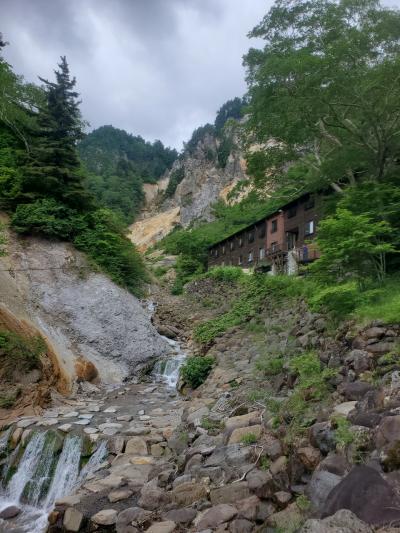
132	514
240	526
136	446
287	520
248	508
72	520
242	421
364	492
320	486
119	494
183	516
322	437
162	527
217	515
388	431
355	390
10	512
344	521
344	408
230	493
309	456
272	446
188	493
335	464
239	434
261	482
106	517
153	498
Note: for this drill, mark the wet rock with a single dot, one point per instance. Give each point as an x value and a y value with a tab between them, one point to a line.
217	515
188	493
310	457
152	498
136	446
106	517
162	527
368	495
65	428
10	512
183	516
72	520
230	493
344	521
320	486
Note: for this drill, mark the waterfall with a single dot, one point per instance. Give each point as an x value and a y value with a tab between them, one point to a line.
44	475
167	370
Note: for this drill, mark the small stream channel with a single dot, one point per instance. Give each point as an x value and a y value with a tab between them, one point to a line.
48	465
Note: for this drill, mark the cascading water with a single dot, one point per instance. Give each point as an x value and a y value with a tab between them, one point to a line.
167	370
42	477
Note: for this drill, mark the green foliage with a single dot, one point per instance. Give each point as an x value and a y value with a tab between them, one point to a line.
3	240
232	109
270	366
381	302
106	245
196	369
327	75
228	274
249	439
224	149
18	352
303	503
257	289
209	424
338	300
311	391
265	462
352	246
176	177
343	436
8	400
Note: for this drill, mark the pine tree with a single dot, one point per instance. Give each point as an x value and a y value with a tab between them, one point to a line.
52	169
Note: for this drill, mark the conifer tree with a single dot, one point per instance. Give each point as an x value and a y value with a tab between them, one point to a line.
52	169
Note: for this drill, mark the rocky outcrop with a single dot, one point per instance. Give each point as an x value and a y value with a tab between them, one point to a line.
97	329
205	182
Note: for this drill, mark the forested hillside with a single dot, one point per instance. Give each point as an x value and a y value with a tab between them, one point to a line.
117	164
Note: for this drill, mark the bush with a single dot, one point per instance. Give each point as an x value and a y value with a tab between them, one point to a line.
196	370
338	300
224	273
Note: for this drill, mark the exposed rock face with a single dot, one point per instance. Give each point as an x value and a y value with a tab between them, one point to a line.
204	183
94	326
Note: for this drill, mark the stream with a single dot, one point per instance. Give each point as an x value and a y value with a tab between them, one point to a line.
48	464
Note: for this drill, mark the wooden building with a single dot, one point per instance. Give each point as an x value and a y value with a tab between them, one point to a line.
278	242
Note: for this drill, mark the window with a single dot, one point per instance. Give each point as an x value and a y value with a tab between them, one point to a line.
250	257
240	241
309	204
274	246
262	253
216	252
251	236
292	212
232	245
223	250
262	230
240	261
309	228
274	226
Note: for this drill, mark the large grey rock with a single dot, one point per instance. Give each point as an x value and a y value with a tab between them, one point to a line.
321	484
216	515
368	495
81	313
342	521
72	520
106	517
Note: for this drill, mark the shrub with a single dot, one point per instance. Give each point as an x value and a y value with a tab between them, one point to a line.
338	300
196	370
224	273
248	439
343	435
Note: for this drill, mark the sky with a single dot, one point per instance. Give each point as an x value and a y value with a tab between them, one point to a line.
156	68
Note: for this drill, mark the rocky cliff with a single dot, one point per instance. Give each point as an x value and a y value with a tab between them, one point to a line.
201	179
96	329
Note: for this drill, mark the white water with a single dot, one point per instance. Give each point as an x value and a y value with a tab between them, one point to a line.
27	487
167	370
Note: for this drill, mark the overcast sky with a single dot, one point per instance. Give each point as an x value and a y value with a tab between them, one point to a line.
158	68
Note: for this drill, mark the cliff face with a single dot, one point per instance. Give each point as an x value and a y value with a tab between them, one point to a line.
205	182
95	328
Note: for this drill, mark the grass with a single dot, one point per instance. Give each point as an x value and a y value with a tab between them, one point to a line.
249	438
18	352
381	303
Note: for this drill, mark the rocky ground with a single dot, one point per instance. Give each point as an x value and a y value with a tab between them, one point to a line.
219	459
